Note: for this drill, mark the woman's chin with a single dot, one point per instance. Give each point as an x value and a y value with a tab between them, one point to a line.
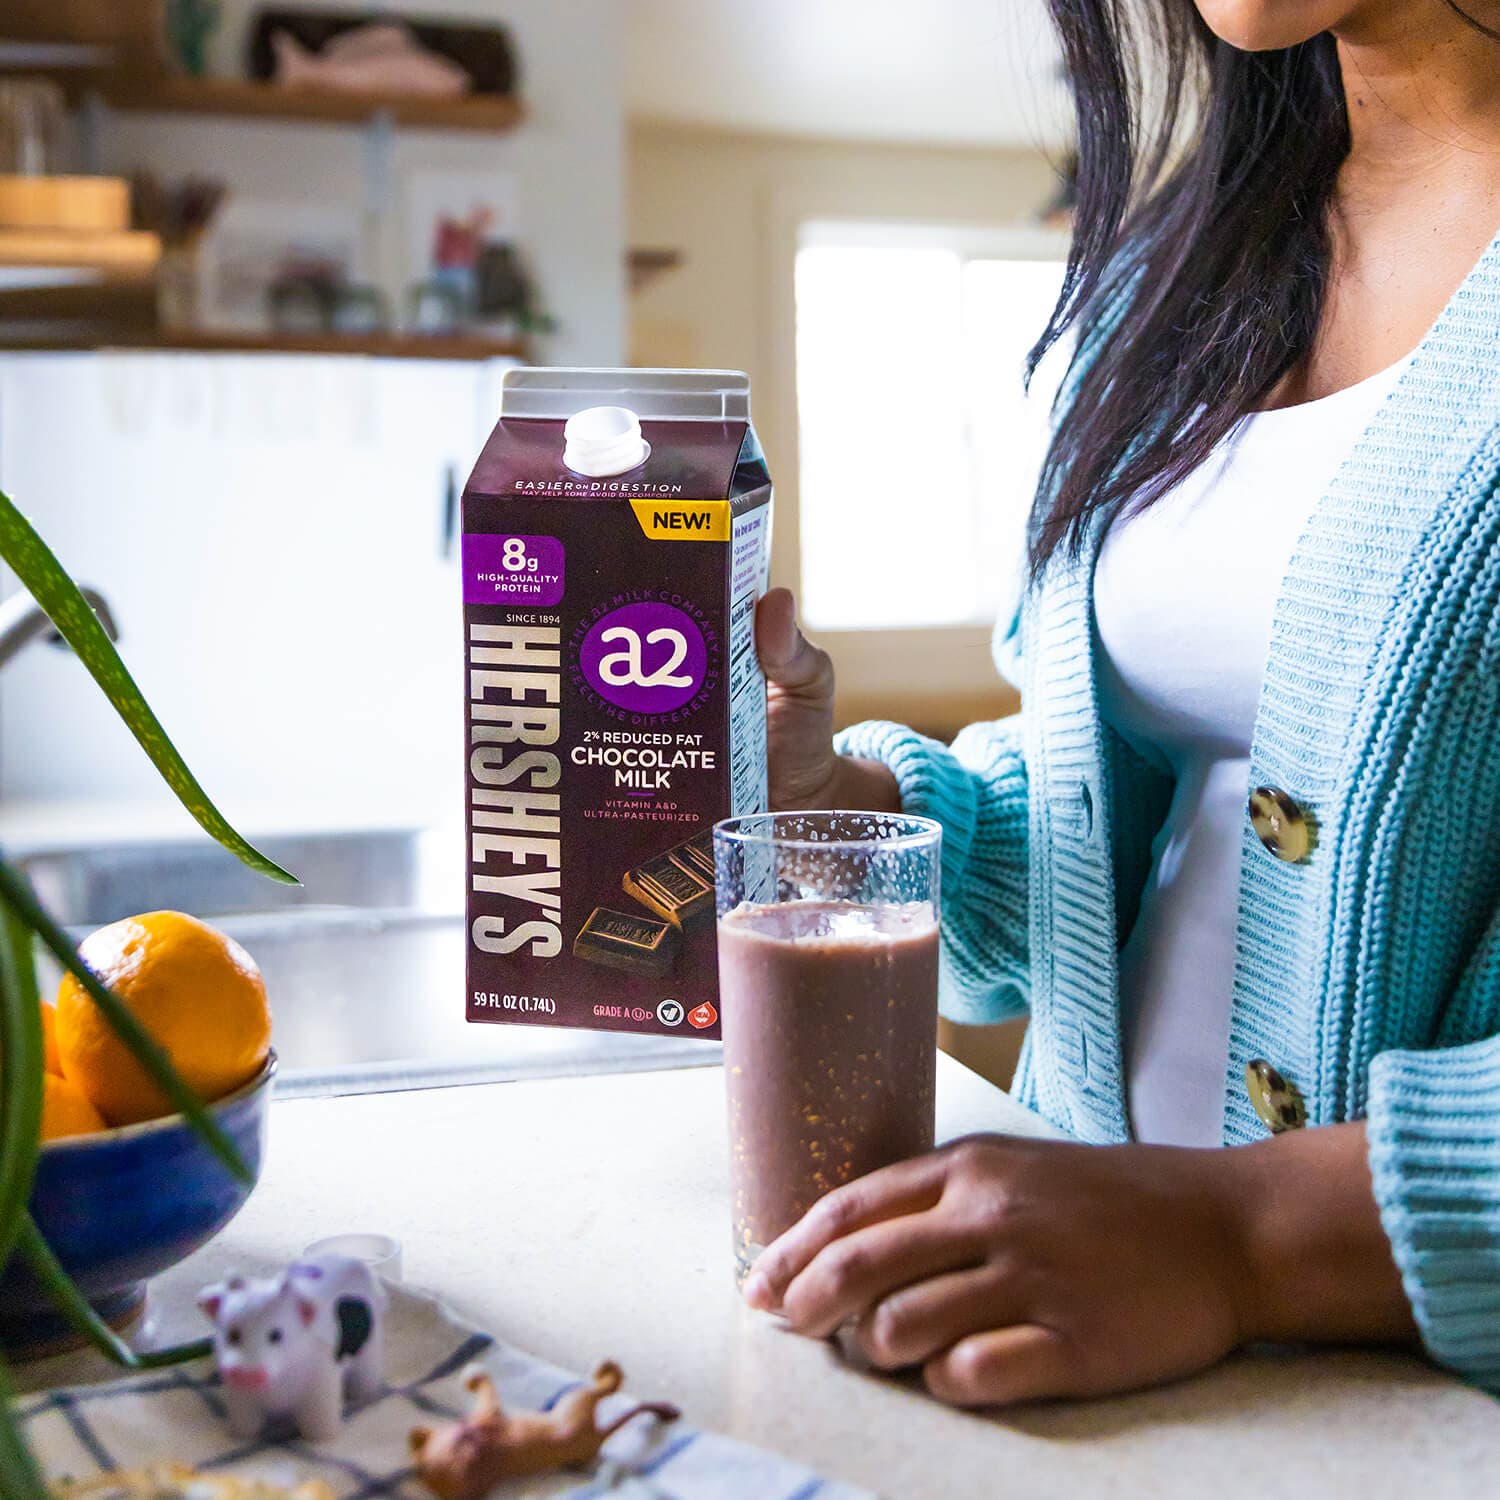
1269	25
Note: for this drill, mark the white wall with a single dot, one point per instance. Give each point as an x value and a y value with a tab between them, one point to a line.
950	72
567	156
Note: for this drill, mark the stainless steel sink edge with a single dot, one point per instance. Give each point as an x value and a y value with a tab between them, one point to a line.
393	869
325	1083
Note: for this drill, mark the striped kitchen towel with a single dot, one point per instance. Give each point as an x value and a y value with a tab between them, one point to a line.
176	1416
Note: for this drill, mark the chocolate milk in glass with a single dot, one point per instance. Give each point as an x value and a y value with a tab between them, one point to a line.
830	1012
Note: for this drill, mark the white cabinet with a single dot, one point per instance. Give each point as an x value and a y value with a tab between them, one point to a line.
270	531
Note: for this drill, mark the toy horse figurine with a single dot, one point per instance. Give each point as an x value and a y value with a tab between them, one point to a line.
466	1460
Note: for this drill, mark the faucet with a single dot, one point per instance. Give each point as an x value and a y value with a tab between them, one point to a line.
23	620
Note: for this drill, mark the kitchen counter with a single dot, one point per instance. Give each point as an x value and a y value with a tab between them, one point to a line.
588	1217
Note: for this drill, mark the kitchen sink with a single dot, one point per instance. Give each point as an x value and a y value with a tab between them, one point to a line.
385	869
364	963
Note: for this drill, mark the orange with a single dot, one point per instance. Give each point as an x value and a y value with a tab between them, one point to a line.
52	1063
66	1110
197	992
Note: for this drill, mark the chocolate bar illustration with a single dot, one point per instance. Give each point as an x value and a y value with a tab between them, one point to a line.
621	940
696	854
675	893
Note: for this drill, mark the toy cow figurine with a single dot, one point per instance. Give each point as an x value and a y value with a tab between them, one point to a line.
465	1460
294	1347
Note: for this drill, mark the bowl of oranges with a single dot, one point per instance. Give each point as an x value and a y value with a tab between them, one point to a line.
125	1188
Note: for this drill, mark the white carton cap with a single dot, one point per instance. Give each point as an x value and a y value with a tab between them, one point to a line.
604	440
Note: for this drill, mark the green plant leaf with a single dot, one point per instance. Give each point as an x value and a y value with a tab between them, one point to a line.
21	1066
75	1308
48	583
20	1127
17	897
20	1479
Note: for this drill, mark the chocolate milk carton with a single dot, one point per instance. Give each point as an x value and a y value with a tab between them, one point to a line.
616	532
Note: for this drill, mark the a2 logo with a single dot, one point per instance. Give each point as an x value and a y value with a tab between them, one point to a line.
647	658
625	668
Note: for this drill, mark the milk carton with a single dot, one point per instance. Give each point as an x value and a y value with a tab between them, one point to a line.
616	535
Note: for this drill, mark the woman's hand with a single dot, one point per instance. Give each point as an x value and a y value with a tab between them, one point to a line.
1013	1269
805	770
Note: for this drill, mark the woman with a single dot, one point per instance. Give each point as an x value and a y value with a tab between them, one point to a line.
1239	855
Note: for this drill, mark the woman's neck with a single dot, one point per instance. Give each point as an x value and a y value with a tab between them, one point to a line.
1418	197
1423	91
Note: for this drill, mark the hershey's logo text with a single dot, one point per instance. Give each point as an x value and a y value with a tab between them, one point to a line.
514	851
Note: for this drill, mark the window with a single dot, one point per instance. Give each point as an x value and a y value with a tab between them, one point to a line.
918	447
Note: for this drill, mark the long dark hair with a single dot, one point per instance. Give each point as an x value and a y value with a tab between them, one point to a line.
1196	286
1196	277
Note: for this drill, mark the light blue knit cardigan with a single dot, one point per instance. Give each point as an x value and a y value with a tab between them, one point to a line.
1369	974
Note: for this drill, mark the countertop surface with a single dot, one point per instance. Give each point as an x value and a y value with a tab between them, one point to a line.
588	1217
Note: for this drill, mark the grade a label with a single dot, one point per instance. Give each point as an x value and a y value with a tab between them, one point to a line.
501	569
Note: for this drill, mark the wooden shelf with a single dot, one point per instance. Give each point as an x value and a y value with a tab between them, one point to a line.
250	99
211	341
123	253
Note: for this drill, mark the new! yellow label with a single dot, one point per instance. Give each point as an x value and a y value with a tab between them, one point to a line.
683	520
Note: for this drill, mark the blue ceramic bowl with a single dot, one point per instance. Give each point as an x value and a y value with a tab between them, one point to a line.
124	1205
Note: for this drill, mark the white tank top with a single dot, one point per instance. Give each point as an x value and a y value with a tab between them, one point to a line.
1184	595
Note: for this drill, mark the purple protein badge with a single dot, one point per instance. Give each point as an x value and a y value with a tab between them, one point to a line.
500	569
647	658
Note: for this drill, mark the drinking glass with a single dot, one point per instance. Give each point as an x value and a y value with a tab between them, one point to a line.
828	976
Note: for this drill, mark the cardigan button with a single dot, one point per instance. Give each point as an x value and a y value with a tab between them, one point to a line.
1276	1099
1280	824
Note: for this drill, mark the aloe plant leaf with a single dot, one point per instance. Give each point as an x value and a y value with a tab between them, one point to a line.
19	1476
16	896
48	583
21	1067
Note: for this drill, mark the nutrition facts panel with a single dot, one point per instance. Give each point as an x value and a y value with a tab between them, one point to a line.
749	569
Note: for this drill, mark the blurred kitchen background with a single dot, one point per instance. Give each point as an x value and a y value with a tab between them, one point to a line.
261	266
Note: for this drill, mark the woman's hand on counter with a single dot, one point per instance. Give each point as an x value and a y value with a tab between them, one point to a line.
805	770
1013	1269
